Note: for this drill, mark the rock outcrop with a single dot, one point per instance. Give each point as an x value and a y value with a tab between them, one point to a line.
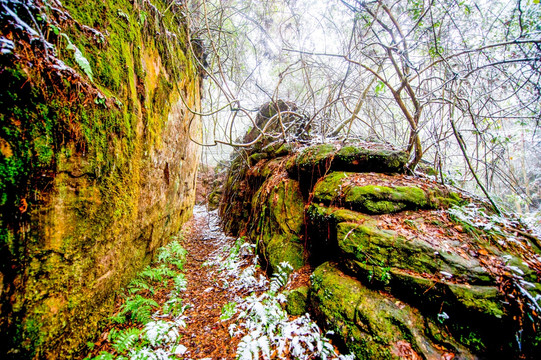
97	170
395	273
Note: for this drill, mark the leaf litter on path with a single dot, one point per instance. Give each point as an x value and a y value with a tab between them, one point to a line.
229	308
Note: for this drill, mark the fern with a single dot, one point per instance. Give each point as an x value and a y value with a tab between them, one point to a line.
235	250
104	356
180	282
177	249
158	332
174	307
280	277
250	346
158	274
146	353
178	350
79	57
228	310
126	339
179	254
267	326
139	285
139	308
164	255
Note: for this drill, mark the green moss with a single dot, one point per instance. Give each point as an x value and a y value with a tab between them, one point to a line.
281	248
255	158
371	246
384	200
313	156
352	158
287	207
72	168
483	299
336	189
472	340
297	301
370	323
330	188
322	215
311	164
277	149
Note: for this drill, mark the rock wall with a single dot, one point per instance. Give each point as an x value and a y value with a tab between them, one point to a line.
393	273
97	169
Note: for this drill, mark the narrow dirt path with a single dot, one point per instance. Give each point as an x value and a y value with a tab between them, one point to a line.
229	308
205	335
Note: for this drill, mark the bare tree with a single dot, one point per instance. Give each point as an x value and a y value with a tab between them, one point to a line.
456	84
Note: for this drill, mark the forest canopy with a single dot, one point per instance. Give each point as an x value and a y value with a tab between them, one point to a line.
454	83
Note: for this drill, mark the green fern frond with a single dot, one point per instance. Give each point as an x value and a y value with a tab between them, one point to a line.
138	285
164	255
180	282
127	340
138	308
160	274
179	254
280	277
174	307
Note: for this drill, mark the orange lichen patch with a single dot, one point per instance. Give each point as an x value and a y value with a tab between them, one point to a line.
5	148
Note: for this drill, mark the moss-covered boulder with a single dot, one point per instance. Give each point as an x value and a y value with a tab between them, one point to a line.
279	210
275	118
375	325
313	162
297	301
374	247
340	188
397	274
357	159
425	275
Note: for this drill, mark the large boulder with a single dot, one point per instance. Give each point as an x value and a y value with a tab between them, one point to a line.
376	325
275	119
396	274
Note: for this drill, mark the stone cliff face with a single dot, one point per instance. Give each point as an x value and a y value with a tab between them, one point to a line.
97	169
393	273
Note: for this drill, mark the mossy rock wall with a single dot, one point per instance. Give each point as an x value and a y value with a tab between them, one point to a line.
393	275
96	169
376	325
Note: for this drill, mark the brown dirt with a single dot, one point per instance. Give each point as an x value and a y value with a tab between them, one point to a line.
205	335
